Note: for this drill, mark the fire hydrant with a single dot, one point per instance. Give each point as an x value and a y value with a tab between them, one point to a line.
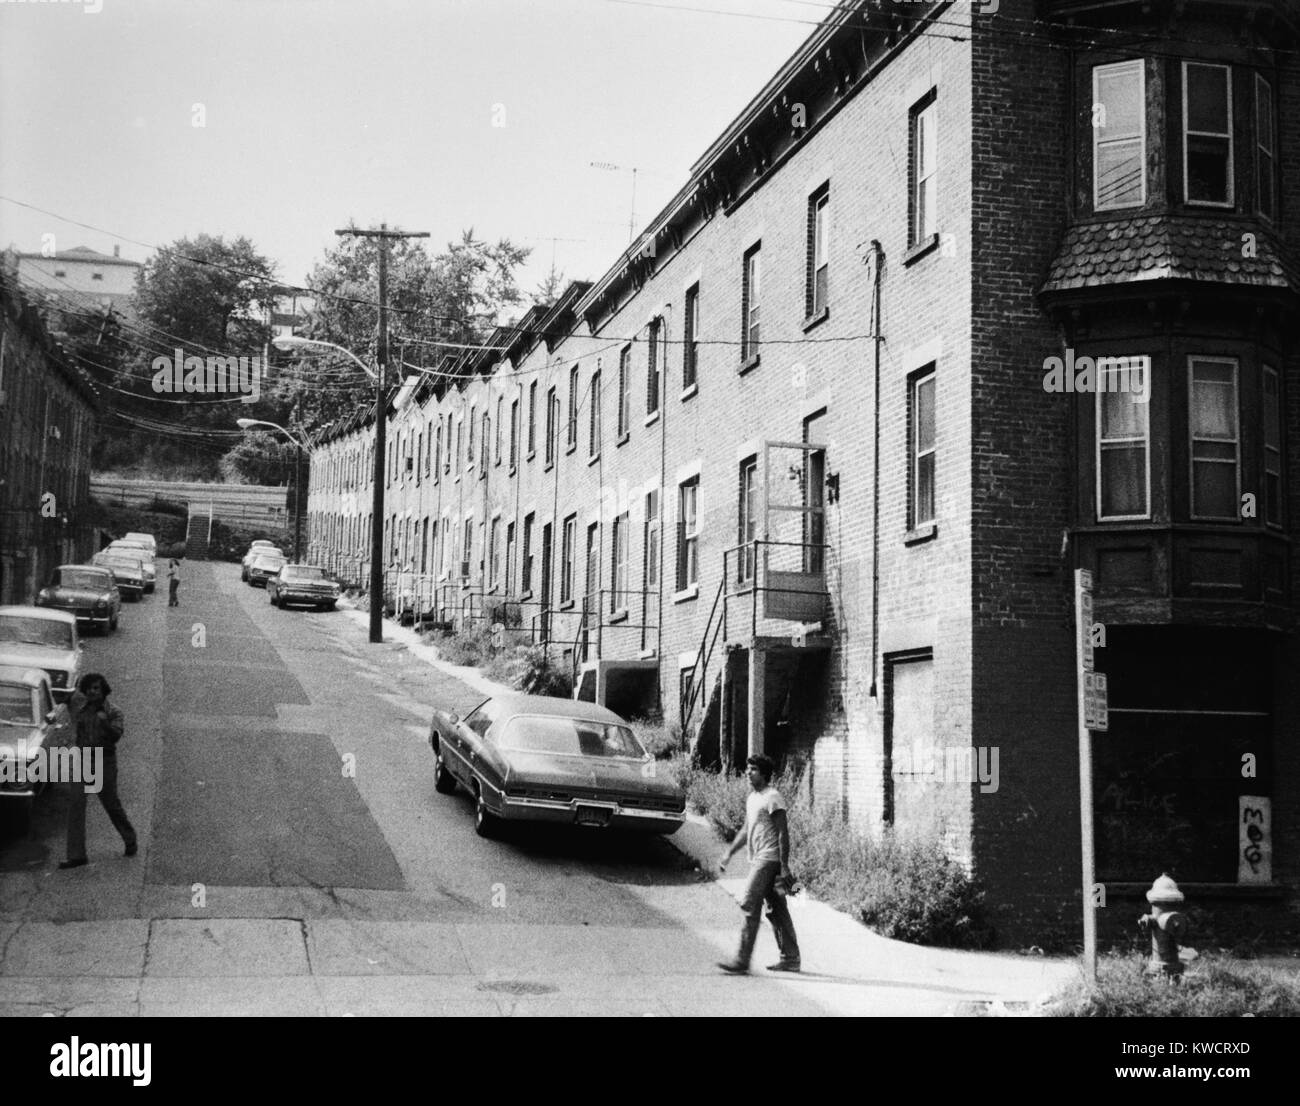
1167	927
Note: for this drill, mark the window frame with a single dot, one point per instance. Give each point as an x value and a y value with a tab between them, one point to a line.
497	427
1139	65
688	560
594	427
568	539
532	420
1098	422
574	380
747	520
1192	459
552	431
691	340
818	258
1262	153
1231	201
926	375
751	304
653	369
922	192
493	553
620	550
624	393
1271	501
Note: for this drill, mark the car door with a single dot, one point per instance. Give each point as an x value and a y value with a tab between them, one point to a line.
469	739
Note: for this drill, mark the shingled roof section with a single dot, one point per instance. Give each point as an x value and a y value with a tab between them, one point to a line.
1169	247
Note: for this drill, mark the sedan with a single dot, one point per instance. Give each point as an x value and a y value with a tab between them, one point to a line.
302	584
127	569
146	555
88	594
30	726
533	758
263	567
253	550
36	637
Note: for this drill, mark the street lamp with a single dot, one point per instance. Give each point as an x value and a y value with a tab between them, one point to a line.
305	446
293	342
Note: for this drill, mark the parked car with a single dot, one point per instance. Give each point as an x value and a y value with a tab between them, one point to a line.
145	554
302	584
534	758
264	565
127	569
31	724
36	637
253	550
87	593
147	540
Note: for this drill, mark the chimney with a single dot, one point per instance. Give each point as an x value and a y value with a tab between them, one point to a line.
117	251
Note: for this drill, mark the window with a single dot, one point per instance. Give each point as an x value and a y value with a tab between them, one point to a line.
571	439
483	445
651	573
1265	149
1272	447
493	554
1216	491
1119	135
595	413
497	447
691	338
510	556
819	206
532	418
467	549
923	146
624	391
514	433
567	551
618	575
748	515
460	433
419	455
447	462
749	297
526	582
1123	447
652	384
921	461
1207	134
687	533
469	446
552	417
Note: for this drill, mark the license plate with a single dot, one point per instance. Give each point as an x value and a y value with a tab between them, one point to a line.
594	815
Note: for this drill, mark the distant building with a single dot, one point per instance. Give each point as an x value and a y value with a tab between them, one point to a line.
82	274
47	420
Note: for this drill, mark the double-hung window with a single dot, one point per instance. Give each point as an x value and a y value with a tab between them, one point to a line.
526	582
1265	149
493	554
688	533
1215	438
567	553
468	549
748	517
1272	446
514	433
510	557
817	290
624	392
1207	134
618	576
500	411
921	460
749	304
1123	444
571	439
532	418
594	400
552	410
923	150
691	339
652	381
1119	135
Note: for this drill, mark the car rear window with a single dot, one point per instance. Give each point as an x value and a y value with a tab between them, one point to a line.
569	737
16	704
17	629
304	574
83	578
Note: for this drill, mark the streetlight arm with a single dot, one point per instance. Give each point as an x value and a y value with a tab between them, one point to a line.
293	341
301	443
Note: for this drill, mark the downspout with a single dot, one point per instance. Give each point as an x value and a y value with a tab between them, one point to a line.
877	258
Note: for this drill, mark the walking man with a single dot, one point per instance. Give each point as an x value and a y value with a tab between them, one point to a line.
173	581
98	725
767	834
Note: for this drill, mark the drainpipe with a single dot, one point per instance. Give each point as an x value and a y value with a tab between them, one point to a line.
877	256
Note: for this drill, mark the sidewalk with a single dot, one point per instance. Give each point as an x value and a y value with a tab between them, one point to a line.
846	966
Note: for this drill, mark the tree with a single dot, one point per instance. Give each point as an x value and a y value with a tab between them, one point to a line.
550	288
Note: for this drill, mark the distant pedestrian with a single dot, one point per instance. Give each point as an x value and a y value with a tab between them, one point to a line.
173	581
98	725
767	834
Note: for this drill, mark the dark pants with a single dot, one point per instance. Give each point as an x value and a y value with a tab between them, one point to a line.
762	887
172	585
112	804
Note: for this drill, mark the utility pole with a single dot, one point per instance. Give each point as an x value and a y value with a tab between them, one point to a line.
381	437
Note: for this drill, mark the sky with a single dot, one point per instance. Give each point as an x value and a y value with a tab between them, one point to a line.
437	116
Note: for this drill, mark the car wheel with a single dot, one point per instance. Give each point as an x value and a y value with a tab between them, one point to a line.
112	623
443	781
243	574
270	597
16	815
328	607
486	824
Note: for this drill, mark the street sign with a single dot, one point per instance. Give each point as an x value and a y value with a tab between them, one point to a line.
1096	707
1085	630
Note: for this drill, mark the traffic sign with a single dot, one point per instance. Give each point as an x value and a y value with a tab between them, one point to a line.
1096	706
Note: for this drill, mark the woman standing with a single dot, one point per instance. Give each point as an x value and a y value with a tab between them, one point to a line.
99	725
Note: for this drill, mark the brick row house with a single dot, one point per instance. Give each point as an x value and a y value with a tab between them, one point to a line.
47	419
811	467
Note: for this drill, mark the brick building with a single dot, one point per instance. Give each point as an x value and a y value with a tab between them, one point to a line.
791	471
47	418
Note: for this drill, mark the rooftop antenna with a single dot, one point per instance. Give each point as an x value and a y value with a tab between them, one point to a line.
631	222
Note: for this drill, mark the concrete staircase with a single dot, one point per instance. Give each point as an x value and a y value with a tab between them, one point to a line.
198	534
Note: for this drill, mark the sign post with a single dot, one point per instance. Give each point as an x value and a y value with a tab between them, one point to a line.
1092	716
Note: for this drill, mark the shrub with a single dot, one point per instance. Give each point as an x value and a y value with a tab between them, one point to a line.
1211	987
660	741
542	676
471	647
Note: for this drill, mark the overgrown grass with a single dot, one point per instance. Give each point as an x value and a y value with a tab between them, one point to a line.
1210	988
516	664
901	888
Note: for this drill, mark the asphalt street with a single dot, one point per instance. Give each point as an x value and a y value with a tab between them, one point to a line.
295	858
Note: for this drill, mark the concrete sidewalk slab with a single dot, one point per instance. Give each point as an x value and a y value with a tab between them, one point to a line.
231	996
219	947
73	949
347	948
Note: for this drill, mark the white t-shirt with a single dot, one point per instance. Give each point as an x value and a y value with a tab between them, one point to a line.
759	828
